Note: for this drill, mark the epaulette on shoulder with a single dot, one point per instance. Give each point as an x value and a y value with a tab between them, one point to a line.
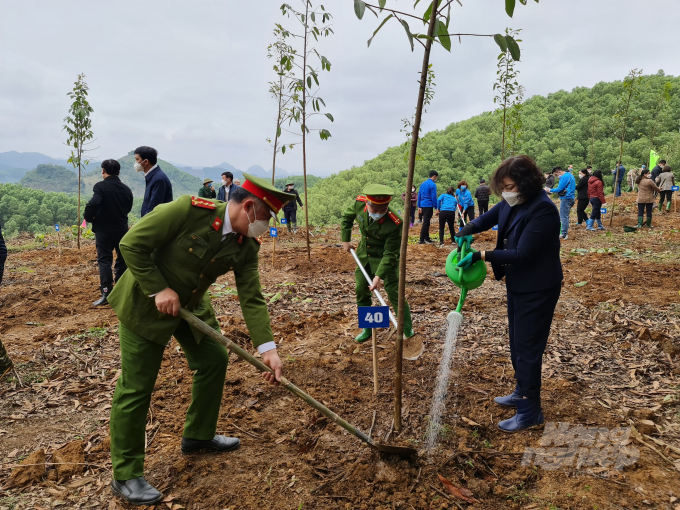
394	217
361	198
204	204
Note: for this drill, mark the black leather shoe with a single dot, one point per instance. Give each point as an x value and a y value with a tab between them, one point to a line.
102	300
216	444
136	491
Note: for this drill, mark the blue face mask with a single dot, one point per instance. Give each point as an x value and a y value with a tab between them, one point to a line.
463	188
376	216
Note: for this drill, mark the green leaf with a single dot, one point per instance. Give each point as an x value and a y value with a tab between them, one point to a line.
502	43
278	131
513	47
359	8
580	284
283	149
442	32
329	116
381	4
379	27
510	7
275	298
408	32
428	14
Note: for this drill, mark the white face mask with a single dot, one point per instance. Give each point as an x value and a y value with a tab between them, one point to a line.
512	198
139	167
224	183
257	227
376	216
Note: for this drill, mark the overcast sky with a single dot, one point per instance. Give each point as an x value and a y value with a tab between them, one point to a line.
190	78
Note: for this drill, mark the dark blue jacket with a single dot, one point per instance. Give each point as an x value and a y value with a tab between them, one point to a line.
622	173
158	190
528	250
427	194
222	192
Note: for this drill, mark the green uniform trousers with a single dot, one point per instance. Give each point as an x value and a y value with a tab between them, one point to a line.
391	284
140	363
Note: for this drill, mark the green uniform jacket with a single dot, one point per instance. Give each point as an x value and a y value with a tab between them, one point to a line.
206	192
179	245
380	241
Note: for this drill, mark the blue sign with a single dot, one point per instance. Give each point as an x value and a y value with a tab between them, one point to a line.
603	210
374	317
273	232
675	188
56	228
495	227
284	221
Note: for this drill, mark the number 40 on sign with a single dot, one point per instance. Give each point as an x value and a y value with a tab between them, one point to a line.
374	317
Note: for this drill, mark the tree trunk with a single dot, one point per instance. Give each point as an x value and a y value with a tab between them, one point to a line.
592	141
505	109
407	215
79	173
304	130
618	164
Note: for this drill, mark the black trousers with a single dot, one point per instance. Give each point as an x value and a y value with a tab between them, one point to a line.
447	218
666	196
530	315
483	206
425	229
3	255
467	214
649	207
595	214
581	205
413	213
107	243
291	217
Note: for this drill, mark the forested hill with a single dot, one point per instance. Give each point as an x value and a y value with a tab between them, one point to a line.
183	183
557	130
52	178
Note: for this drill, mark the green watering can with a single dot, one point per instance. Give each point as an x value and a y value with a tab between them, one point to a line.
467	279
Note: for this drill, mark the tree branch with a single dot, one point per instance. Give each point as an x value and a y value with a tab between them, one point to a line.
396	12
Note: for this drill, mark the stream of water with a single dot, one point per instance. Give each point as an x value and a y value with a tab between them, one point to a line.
442	383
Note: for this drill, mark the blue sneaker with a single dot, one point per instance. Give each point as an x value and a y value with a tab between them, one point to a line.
508	400
529	415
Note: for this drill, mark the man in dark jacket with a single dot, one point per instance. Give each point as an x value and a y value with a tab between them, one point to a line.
658	168
158	188
619	173
482	195
108	211
290	209
207	190
227	188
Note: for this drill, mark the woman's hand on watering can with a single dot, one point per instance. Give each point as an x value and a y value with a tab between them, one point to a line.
463	240
466	263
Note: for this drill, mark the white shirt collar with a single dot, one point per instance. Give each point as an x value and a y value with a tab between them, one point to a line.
226	225
151	169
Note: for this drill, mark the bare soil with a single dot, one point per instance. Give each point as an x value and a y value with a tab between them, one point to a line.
612	361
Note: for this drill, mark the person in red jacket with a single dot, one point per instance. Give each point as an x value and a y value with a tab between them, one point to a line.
597	200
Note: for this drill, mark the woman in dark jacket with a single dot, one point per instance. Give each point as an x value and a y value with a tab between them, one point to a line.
528	255
582	196
414	203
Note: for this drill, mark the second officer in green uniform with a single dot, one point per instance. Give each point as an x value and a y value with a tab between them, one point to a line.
378	250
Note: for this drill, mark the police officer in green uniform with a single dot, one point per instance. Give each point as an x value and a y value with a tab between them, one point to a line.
173	255
378	251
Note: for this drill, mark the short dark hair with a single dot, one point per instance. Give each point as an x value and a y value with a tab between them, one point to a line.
598	175
111	167
228	175
450	190
661	161
584	171
666	168
557	169
462	183
524	171
588	167
148	153
433	173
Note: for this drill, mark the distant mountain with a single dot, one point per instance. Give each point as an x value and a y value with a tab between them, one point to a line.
9	174
52	178
30	160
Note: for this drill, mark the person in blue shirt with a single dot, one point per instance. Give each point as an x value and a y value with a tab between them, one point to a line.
158	187
465	202
427	202
566	190
447	204
619	178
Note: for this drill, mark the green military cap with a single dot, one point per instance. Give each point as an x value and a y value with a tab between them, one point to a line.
378	193
207	181
266	192
289	183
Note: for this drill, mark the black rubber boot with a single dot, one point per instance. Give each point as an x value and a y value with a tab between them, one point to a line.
216	444
102	300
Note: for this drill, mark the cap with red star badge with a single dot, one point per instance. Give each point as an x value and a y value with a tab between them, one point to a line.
266	192
378	194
